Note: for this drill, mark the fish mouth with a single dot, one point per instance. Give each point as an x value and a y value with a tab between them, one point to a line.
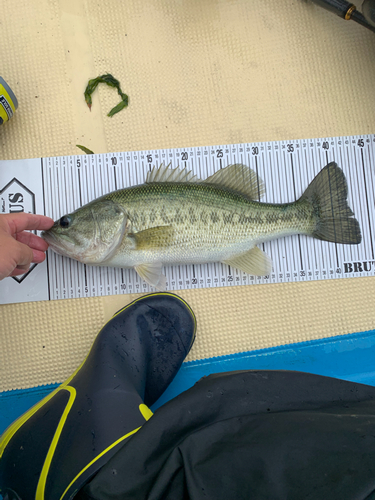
48	237
55	243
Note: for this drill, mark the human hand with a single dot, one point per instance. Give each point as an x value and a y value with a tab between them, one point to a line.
19	247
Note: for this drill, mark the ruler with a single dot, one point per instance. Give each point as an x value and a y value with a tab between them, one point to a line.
58	185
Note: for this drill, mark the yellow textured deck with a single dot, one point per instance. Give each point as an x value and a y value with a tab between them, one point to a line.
197	73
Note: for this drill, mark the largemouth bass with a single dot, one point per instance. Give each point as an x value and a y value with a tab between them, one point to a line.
176	218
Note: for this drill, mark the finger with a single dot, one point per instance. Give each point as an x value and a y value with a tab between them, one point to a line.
20	222
33	241
38	256
22	268
17	271
23	255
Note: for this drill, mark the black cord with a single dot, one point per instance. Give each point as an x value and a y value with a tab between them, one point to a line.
348	11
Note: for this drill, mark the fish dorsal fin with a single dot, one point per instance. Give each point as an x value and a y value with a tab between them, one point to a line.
252	262
239	178
166	174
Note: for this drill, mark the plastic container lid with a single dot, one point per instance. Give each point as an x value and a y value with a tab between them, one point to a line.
8	101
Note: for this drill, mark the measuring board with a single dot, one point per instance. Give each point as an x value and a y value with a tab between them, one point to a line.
58	185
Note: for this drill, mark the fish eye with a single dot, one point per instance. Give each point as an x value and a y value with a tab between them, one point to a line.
65	221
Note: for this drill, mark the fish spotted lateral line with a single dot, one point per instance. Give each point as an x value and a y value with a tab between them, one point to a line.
176	218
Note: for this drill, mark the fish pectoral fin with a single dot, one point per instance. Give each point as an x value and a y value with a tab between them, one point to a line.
239	178
255	262
152	274
153	238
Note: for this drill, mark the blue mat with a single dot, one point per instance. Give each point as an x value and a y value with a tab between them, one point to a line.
349	357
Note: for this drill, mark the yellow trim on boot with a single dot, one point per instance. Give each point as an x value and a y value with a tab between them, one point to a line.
17	424
146	413
51	451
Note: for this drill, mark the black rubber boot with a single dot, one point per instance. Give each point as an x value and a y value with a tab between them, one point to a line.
55	448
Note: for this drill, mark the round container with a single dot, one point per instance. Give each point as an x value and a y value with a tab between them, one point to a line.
8	102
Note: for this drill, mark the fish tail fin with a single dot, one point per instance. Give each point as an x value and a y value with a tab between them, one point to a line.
328	195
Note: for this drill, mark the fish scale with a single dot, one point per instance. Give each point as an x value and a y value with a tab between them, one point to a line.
190	222
58	185
207	215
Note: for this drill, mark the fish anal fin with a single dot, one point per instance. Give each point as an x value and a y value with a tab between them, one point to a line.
239	178
151	273
153	238
164	173
255	262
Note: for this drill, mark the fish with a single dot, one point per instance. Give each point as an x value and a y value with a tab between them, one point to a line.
177	218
